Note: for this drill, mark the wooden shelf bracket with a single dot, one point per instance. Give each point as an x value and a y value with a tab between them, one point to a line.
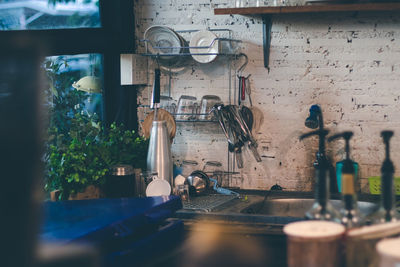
267	11
267	24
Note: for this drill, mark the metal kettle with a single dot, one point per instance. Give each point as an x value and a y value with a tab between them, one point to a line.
159	157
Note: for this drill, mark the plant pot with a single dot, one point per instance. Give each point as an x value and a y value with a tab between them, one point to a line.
55	194
120	182
90	192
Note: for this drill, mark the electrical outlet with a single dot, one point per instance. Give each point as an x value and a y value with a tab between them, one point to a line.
133	69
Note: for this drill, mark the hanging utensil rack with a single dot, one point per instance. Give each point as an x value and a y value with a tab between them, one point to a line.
230	54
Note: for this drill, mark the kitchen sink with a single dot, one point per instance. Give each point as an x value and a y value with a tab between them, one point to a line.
297	207
270	207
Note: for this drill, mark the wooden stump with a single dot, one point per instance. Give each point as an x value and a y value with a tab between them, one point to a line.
90	192
315	244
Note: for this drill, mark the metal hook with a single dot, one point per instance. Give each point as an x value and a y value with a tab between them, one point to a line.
240	70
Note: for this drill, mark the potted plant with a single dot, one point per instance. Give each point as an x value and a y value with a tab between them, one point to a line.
73	160
79	167
125	147
79	150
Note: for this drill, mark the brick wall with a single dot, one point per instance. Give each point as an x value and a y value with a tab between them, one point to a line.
349	63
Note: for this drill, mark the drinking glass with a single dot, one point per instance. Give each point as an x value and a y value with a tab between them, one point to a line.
241	3
182	191
280	2
206	104
166	102
258	3
186	107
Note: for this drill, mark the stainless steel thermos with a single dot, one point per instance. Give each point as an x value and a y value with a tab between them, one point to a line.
159	159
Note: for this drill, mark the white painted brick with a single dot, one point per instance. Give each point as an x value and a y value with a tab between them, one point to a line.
347	64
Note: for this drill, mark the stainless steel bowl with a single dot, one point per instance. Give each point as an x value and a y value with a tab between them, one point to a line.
198	182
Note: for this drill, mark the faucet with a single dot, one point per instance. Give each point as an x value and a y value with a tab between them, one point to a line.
321	209
315	120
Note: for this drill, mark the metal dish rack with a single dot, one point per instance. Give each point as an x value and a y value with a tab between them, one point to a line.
221	41
231	55
194	119
207	203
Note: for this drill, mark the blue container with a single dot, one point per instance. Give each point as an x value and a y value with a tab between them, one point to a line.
127	231
339	167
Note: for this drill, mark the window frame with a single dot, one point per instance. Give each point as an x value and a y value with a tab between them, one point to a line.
114	37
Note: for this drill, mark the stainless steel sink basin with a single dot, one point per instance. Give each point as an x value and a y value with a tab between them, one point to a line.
297	207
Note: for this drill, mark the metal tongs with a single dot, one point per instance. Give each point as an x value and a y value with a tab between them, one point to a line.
236	131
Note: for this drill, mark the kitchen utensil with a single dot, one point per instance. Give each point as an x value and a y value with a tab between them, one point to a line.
258	119
247	116
204	46
89	84
244	132
214	169
159	158
244	84
206	104
248	90
198	182
158	187
232	129
240	82
221	190
179	180
161	40
155	93
162	115
186	107
236	131
146	178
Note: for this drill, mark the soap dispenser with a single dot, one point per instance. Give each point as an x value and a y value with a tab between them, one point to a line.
351	216
387	210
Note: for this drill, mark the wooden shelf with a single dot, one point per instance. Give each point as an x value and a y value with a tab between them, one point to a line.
270	10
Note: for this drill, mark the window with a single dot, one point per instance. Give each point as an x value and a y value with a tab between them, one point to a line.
101	27
45	14
73	85
81	41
